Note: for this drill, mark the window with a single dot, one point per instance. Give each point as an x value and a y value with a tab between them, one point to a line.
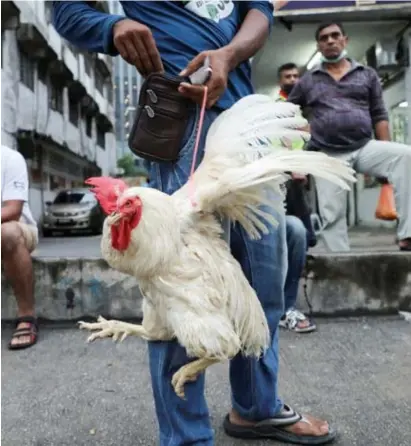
99	81
69	197
89	125
73	111
88	63
48	11
110	92
56	97
57	182
27	68
42	71
2	46
101	137
400	126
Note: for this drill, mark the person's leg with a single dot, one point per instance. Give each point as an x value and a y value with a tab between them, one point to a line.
257	411
17	241
181	421
393	161
332	205
264	262
296	235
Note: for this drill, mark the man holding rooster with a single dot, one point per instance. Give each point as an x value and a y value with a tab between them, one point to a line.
176	38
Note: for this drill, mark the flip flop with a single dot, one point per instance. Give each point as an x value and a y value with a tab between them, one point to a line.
273	429
30	331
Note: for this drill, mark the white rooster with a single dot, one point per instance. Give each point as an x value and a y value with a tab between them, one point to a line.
193	289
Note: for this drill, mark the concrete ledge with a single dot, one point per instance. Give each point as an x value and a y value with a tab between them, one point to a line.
69	289
344	284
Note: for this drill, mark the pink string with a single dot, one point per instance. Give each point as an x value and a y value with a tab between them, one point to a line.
197	143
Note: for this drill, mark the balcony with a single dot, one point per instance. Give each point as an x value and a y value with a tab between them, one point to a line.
76	89
10	15
33	43
89	106
104	123
59	70
104	65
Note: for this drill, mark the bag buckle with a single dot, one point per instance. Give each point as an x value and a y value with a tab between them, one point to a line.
150	111
152	96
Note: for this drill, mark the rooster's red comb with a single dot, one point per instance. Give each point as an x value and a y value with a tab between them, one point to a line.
107	190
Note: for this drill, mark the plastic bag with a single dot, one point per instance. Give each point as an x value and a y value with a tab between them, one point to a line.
386	204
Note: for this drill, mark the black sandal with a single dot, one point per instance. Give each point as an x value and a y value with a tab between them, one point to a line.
273	429
31	331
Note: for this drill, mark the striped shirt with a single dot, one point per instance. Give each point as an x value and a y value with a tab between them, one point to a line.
342	114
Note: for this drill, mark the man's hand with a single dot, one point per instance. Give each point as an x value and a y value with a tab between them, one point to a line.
136	45
220	66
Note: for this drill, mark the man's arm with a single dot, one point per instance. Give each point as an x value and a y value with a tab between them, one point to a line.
252	34
297	95
99	32
378	111
15	190
85	27
249	39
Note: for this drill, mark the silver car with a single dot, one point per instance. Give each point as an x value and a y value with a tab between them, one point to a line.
73	210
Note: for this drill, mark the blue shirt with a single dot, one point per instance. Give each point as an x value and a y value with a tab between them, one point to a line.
181	31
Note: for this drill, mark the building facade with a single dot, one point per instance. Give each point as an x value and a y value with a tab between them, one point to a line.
57	102
127	84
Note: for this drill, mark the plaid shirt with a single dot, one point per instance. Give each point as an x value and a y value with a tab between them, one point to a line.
342	114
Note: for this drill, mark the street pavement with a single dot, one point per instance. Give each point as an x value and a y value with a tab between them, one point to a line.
362	240
64	392
70	246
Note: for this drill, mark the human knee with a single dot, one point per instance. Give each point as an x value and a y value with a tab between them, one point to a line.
11	236
296	231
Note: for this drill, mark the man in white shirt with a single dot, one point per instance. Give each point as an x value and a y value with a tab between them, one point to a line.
19	237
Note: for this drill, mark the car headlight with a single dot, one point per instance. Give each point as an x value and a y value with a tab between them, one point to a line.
83	213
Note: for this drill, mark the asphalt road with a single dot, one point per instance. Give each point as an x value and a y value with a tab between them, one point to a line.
64	392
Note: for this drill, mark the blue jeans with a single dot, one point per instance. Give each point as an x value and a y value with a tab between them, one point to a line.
297	251
253	383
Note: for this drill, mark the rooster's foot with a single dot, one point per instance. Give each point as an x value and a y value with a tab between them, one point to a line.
111	328
189	373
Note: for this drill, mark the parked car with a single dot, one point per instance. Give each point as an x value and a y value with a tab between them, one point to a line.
73	210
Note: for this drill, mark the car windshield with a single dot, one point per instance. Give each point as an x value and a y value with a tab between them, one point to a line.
68	197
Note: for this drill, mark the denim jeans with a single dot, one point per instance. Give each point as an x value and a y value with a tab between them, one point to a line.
297	250
253	383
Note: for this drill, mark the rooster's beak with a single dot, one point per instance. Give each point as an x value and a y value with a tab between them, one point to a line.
114	218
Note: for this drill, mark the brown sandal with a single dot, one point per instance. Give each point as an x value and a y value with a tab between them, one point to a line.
31	330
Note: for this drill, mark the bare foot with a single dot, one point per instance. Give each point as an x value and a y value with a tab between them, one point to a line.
309	425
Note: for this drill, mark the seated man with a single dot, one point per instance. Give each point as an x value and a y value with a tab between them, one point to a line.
346	108
19	237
